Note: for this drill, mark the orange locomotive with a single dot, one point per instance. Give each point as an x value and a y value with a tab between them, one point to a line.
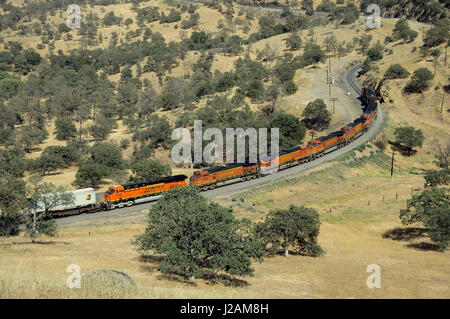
323	143
211	177
128	194
287	158
355	129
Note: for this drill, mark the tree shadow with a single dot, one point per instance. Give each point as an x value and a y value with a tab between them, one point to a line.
292	252
177	278
37	242
150	258
411	234
300	253
424	246
151	263
224	279
405	234
53	173
405	151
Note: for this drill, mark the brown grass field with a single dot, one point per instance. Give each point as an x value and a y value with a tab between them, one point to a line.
351	234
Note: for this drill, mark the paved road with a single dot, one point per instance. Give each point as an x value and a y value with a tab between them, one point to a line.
348	80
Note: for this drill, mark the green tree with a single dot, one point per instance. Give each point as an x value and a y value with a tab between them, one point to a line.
295	227
330	43
101	128
307	5
107	155
9	86
148	169
438	224
89	175
437	35
232	45
42	198
30	135
364	42
12	203
254	89
375	53
432	209
46	164
437	177
420	81
293	41
403	32
160	131
396	71
128	22
64	129
292	130
313	54
284	71
147	102
12	162
316	116
409	137
197	236
127	95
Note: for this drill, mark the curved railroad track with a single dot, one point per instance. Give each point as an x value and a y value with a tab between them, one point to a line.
349	81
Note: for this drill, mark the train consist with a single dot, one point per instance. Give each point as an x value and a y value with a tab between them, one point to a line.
119	196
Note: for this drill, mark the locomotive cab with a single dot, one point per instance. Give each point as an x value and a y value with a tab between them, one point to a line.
198	175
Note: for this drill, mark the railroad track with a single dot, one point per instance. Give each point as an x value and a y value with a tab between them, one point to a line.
349	81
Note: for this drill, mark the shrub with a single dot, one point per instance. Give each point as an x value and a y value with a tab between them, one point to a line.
420	81
316	116
64	129
396	71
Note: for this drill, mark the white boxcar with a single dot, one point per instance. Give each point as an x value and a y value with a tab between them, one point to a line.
81	198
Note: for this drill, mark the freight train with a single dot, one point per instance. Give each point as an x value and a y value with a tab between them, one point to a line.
119	196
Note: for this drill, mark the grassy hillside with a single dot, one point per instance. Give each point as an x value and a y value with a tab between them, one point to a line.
357	199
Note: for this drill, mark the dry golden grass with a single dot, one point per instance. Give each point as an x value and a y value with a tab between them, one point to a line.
362	199
351	235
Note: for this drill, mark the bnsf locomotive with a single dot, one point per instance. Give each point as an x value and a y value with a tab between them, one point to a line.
133	193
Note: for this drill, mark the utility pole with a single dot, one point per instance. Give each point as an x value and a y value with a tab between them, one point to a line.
442	104
445	61
333	99
392	163
329	75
